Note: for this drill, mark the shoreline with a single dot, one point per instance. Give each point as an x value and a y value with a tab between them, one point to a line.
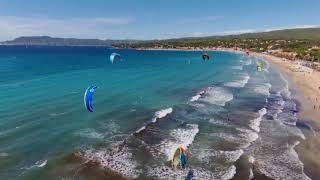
306	85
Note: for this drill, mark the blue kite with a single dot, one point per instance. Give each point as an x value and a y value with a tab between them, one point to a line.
114	56
88	95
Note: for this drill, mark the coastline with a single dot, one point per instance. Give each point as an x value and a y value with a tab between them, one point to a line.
307	87
306	84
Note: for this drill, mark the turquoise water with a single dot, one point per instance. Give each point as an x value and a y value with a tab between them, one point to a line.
218	109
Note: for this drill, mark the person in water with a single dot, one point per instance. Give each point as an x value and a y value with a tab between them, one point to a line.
183	160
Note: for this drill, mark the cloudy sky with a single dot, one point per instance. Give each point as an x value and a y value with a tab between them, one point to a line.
150	19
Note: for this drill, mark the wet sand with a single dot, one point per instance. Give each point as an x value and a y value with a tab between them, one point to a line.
307	86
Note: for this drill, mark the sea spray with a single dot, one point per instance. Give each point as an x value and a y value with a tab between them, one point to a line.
161	114
217	95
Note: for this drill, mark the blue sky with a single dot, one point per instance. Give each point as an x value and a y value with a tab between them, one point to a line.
150	19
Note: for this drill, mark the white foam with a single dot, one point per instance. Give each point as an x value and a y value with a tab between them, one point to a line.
220	123
38	164
247	62
42	163
57	114
3	154
249	135
161	114
180	136
120	161
230	173
251	175
263	89
89	133
244	138
255	123
141	129
237	67
251	159
164	172
196	97
229	156
217	95
239	83
285	91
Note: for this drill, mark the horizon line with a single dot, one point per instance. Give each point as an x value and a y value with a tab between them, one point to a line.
222	34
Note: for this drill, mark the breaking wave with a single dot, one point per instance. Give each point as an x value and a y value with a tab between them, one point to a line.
180	136
263	89
239	83
161	114
217	95
119	160
255	123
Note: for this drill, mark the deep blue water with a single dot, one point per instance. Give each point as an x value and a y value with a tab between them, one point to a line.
214	108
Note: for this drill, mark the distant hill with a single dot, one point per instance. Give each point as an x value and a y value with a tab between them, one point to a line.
309	34
300	34
47	40
286	34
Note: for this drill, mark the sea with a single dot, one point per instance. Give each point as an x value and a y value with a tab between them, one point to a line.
236	122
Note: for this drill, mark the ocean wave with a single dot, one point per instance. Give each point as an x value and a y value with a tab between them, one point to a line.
157	115
274	158
119	160
247	62
249	135
3	154
243	138
228	156
219	122
164	172
38	164
57	114
239	83
266	69
285	91
263	89
197	97
217	95
255	123
141	129
161	114
237	67
180	136
89	133
41	163
282	164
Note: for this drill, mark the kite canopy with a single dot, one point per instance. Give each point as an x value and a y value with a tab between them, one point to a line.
205	56
260	66
180	157
114	56
88	95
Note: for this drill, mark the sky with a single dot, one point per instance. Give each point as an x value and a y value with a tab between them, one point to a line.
151	19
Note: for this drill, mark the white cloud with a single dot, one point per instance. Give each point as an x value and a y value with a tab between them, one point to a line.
240	31
292	27
97	27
